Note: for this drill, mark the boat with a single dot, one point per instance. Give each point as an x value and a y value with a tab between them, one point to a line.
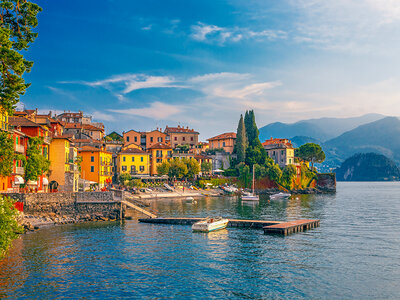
250	196
280	195
210	224
189	198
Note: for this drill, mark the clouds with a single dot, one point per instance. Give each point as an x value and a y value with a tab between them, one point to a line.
156	110
212	33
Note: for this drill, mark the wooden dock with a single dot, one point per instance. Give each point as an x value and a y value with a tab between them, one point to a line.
291	227
274	227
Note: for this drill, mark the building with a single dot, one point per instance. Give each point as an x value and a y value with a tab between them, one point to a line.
200	148
181	136
144	139
20	145
84	131
159	152
134	162
280	150
63	164
96	165
225	141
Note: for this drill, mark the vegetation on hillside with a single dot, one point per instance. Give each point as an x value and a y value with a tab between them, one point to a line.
9	227
368	167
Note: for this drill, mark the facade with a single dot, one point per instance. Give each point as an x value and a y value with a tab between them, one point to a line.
63	164
96	165
159	153
132	137
224	141
144	139
200	148
134	162
280	150
20	145
181	136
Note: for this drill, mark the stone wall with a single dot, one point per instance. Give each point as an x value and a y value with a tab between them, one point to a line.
79	206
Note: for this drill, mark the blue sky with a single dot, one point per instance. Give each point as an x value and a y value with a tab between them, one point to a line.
146	64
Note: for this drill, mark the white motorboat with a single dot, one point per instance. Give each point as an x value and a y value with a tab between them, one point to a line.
210	224
189	198
250	196
280	195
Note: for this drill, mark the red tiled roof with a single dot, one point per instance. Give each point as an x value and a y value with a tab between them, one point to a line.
134	151
227	135
160	146
283	142
23	122
179	129
92	149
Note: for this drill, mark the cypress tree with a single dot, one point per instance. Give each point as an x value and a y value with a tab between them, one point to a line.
241	141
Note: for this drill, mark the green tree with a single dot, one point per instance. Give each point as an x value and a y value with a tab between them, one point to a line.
288	174
9	227
7	153
193	167
177	168
241	141
244	174
311	152
163	169
251	129
17	20
206	167
124	178
36	163
273	172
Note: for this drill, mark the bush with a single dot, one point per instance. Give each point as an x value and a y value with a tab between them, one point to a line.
9	227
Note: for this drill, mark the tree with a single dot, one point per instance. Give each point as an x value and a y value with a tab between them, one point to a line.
124	178
273	172
288	174
206	167
9	227
36	163
177	168
241	141
311	152
17	19
163	169
193	167
7	153
244	174
251	129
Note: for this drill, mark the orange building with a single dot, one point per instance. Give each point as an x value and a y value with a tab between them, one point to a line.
224	141
159	153
280	150
96	165
132	137
144	139
181	136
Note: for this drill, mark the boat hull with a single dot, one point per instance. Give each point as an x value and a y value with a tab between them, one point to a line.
250	198
203	226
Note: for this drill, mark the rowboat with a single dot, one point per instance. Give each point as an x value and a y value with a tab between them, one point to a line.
210	224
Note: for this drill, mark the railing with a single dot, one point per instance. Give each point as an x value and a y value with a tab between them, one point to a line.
19	148
19	171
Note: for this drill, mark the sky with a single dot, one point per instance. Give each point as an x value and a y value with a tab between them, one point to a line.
147	64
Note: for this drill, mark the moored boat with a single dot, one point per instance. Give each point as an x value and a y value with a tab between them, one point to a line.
210	224
280	195
251	196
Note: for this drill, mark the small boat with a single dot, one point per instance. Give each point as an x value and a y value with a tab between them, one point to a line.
280	195
189	198
250	196
210	224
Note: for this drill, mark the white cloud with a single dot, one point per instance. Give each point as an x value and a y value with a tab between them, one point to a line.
97	115
156	110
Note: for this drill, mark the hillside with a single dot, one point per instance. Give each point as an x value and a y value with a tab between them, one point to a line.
298	141
320	129
367	167
382	136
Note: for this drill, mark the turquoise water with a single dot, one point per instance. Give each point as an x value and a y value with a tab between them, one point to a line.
354	254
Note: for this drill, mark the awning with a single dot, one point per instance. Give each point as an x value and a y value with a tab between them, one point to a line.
31	182
45	181
218	171
18	180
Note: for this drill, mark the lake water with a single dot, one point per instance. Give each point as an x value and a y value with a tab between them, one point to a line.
355	253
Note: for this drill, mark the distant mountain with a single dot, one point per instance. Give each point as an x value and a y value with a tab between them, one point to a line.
298	141
367	167
320	129
382	136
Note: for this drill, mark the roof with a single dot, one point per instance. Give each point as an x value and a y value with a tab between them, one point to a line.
64	137
200	156
92	149
160	146
70	114
23	122
223	136
20	113
88	141
134	151
179	129
283	143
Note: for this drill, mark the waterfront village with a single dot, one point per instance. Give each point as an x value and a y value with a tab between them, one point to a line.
81	157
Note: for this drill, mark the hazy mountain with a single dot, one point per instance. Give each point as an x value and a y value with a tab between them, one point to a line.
320	129
367	167
382	136
298	141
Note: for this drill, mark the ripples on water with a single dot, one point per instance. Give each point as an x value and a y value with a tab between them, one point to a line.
354	254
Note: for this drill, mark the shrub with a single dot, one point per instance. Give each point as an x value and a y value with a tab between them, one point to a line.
9	227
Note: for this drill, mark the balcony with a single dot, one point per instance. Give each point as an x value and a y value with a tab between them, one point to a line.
19	170
19	148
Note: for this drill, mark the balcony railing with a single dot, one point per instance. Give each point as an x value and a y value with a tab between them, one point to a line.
19	170
19	148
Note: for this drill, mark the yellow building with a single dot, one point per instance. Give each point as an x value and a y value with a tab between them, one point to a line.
160	152
63	164
96	165
4	180
134	162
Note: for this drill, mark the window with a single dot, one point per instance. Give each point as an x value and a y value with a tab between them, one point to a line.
223	144
123	168
135	139
159	160
159	139
127	138
141	168
183	138
175	138
123	158
151	139
133	158
91	168
283	152
141	159
290	161
92	158
133	169
191	139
